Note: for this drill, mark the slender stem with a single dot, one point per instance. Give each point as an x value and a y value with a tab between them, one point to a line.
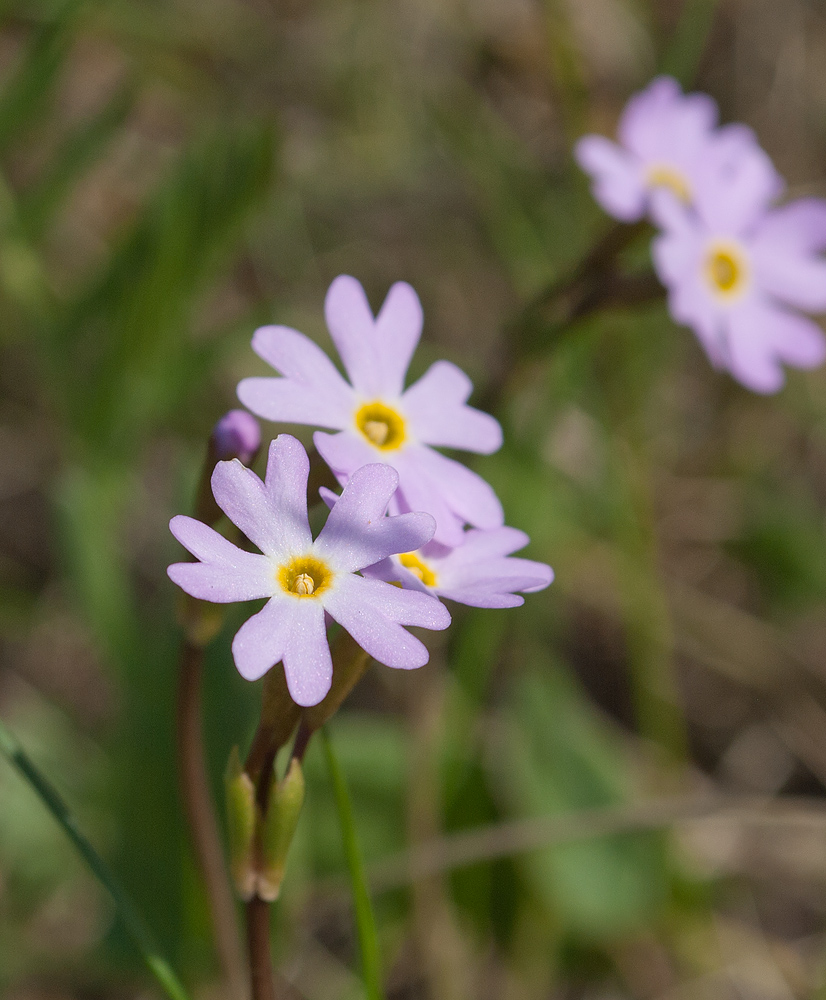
258	941
132	921
203	824
365	919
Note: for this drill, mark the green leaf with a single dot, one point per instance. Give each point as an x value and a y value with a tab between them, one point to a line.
557	758
131	919
365	919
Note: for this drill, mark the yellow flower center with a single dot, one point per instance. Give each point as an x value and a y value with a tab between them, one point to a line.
660	175
726	270
419	568
305	576
383	427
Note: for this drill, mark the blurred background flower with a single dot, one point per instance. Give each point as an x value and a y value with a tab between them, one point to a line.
174	175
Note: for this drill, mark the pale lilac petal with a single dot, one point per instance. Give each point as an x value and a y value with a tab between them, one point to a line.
308	664
500	574
390	571
261	641
397	331
762	336
481	597
677	255
677	250
618	181
273	517
482	545
734	202
791	277
642	120
435	407
799	227
351	326
372	612
419	491
312	390
357	533
466	493
226	573
288	468
345	452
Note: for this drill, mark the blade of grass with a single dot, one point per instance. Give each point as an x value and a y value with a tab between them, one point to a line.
53	801
365	919
682	55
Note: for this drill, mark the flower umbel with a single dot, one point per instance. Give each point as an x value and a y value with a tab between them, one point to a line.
737	271
376	418
667	141
305	578
481	572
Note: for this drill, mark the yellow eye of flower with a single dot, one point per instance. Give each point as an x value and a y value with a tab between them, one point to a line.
382	426
660	175
418	568
726	270
305	576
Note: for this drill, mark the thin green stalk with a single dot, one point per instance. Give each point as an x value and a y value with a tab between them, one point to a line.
365	920
683	54
132	920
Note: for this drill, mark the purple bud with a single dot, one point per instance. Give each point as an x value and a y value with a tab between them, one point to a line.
236	435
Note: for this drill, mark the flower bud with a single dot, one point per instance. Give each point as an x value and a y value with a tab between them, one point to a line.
286	799
242	813
236	435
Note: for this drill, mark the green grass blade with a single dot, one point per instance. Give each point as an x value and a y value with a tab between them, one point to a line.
134	924
365	919
26	95
683	54
78	152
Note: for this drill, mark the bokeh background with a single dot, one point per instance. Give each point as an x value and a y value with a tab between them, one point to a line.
174	174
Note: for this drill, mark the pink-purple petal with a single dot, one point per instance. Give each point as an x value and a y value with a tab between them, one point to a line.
308	664
398	328
791	277
226	573
469	496
312	390
761	337
435	407
345	452
351	326
261	641
288	469
641	123
242	497
357	533
799	227
353	604
618	184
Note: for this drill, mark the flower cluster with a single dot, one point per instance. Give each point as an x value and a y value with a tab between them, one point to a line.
737	268
410	526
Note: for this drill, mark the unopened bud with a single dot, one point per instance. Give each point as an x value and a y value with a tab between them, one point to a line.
242	813
286	799
236	435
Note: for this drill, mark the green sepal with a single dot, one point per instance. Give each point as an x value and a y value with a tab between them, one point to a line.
241	822
286	799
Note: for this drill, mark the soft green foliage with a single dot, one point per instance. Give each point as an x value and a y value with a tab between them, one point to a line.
173	175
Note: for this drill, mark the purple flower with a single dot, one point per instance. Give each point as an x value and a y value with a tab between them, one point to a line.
377	419
236	435
303	578
481	572
736	272
667	140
